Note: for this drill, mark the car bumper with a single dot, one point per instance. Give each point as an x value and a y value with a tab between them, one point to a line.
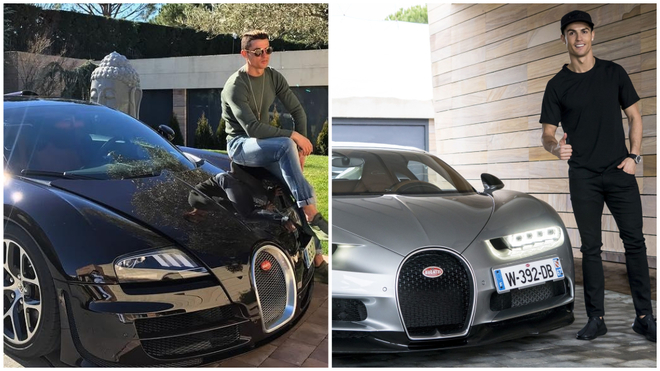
179	329
392	342
372	320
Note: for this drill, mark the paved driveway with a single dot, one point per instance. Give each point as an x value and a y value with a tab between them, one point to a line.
620	347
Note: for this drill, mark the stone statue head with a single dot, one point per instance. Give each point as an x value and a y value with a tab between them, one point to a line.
115	84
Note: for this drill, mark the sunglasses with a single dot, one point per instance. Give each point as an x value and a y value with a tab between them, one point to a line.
259	52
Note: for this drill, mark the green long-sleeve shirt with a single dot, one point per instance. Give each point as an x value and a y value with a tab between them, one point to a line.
241	99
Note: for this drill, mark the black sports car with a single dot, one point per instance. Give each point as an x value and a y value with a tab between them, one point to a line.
120	249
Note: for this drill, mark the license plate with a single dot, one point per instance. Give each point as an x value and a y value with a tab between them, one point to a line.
309	253
527	274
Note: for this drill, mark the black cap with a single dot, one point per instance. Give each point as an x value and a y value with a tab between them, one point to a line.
576	16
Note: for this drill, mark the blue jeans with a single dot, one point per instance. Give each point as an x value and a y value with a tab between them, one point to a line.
280	156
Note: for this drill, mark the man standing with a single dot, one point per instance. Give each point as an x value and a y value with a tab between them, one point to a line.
587	96
252	141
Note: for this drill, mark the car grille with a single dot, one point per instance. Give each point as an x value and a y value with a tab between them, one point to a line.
275	287
433	308
192	344
163	326
190	334
526	296
348	310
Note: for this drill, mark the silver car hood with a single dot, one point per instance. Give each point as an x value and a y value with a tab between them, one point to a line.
405	223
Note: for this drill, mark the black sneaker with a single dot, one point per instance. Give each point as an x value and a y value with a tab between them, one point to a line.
645	326
594	328
320	226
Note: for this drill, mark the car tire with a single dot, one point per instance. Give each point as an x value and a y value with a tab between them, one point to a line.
29	293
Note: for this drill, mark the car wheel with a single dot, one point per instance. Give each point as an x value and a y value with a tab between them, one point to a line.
31	315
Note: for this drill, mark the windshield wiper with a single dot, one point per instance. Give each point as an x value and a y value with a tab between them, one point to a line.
55	174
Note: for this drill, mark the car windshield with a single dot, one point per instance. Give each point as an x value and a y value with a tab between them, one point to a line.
384	171
83	141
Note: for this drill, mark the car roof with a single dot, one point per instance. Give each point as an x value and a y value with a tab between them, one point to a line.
364	145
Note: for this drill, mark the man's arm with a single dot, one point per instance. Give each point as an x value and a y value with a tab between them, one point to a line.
560	149
635	136
293	106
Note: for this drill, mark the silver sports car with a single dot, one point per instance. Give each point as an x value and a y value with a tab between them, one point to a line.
421	260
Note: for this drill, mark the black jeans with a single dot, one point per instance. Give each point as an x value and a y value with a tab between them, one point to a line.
620	192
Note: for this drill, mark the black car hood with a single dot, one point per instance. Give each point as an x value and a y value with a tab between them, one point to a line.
161	204
405	223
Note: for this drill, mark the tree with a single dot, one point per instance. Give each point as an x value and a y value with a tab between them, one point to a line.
303	23
203	134
174	124
127	11
322	141
221	135
414	14
172	15
32	66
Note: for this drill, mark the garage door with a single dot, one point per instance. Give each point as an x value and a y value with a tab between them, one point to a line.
408	132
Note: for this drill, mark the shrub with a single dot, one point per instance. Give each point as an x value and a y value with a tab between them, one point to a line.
203	134
221	136
174	124
276	119
322	141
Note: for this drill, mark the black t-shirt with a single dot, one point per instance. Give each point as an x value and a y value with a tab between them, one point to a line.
588	105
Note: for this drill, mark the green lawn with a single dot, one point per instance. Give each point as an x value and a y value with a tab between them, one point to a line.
316	172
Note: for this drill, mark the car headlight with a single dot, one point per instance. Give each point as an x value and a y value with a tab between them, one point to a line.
528	242
537	238
157	265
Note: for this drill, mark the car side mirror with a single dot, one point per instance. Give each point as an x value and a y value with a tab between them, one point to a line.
491	183
166	131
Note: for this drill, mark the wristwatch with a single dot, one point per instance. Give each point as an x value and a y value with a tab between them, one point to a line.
637	158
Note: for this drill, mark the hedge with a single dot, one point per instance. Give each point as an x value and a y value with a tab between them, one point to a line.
93	37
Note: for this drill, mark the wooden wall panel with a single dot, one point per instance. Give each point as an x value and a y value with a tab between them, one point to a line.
491	64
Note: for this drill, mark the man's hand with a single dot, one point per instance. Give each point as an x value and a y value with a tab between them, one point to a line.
302	159
303	143
628	165
563	150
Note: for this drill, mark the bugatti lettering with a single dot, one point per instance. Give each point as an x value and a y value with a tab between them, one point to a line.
432	272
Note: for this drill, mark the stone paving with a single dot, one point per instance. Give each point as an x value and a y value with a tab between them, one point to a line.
306	344
620	347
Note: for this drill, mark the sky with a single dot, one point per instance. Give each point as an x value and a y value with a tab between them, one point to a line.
371	57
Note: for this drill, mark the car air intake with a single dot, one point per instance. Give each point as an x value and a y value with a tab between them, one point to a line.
191	334
349	310
435	293
275	286
529	295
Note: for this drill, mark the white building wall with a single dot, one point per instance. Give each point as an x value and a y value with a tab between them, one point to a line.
300	68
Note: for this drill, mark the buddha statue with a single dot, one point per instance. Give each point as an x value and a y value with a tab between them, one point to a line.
115	84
